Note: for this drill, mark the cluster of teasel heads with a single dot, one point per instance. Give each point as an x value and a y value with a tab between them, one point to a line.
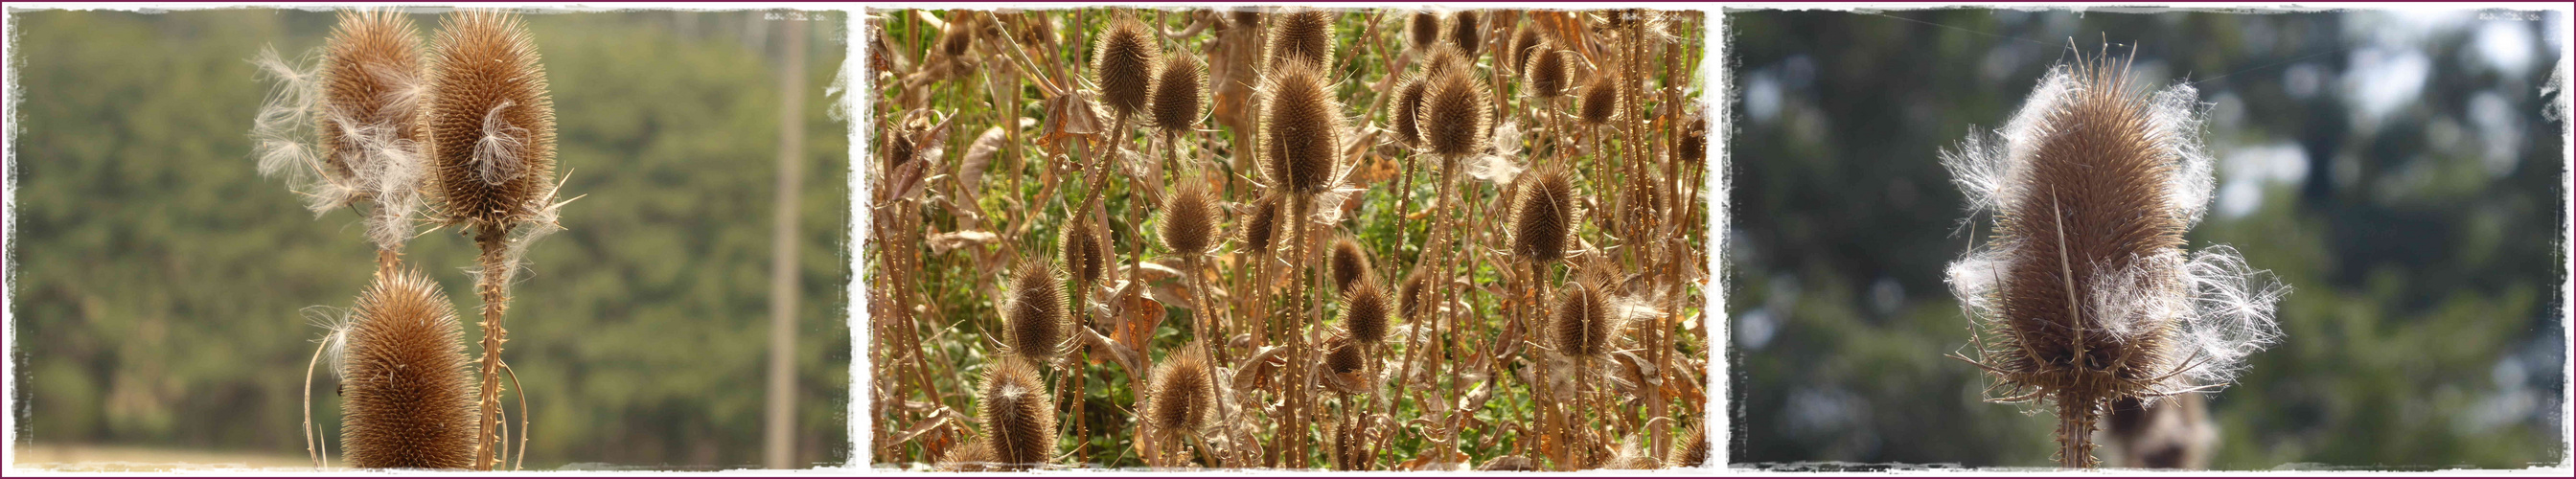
1312	338
462	127
2083	295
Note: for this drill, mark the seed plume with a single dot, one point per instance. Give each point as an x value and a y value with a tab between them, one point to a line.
1039	326
1302	129
1454	114
1543	215
409	398
1018	414
490	121
1123	64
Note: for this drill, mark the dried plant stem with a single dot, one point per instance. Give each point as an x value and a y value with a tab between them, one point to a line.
492	286
2076	419
1292	434
313	442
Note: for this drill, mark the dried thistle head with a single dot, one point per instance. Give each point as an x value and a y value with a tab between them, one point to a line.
1600	99
1303	36
1262	223
1454	114
1443	58
1189	220
1525	40
2084	294
1692	451
1123	64
1245	17
370	88
1039	327
1350	263
1693	145
490	121
1084	252
959	38
974	456
1180	94
1582	324
1413	298
1509	463
1543	215
1182	398
1301	129
1422	29
1550	71
1405	109
1343	356
409	401
1365	311
1466	30
1018	414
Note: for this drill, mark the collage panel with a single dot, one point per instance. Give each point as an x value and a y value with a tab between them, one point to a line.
1287	238
231	224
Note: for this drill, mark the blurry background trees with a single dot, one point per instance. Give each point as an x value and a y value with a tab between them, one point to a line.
2396	168
159	279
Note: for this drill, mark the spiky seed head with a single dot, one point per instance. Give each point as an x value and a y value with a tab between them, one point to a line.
1350	263
1423	29
370	75
1262	224
1550	70
1189	219
1343	356
1509	463
1693	147
1444	58
1692	451
1302	129
974	456
1182	398
1454	112
1600	100
899	150
1582	324
1180	94
960	35
1018	414
1414	297
1466	31
1039	325
490	121
1085	254
1365	311
1406	108
1304	36
1123	65
1543	215
409	400
1525	40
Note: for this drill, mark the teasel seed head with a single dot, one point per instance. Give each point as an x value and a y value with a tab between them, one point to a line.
1543	215
1413	298
1444	58
1583	323
1365	312
1304	36
1343	356
1180	94
1018	414
1692	450
1524	41
1245	17
1466	31
1407	107
1600	99
1262	224
1190	219
1350	263
1509	463
1423	29
1085	253
959	38
370	85
1550	71
1183	395
1123	64
1040	328
1302	129
974	456
490	121
1454	113
409	399
1693	146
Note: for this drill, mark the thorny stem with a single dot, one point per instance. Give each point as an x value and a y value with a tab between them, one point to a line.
493	287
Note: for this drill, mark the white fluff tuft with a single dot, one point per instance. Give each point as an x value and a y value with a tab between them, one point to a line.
496	154
2174	120
2230	314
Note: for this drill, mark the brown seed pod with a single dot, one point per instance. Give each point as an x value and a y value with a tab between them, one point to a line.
1084	253
1509	463
1039	326
1123	64
1342	355
1443	58
370	75
1543	215
1413	298
1466	31
1302	129
1262	224
1364	312
1189	219
1692	451
1693	147
960	35
899	150
1304	36
490	121
409	400
1180	94
1183	396
1582	325
1454	114
1550	71
1600	99
1423	29
974	456
1350	263
1524	41
1406	107
1018	414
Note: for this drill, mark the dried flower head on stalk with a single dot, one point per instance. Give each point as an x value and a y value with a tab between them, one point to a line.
361	108
1303	36
1422	28
491	124
1365	311
1350	263
1467	32
409	395
1405	109
1180	94
1123	62
1039	327
1018	414
1600	99
1454	113
1188	226
1550	71
1301	129
1262	224
1542	221
2084	295
1085	253
1182	397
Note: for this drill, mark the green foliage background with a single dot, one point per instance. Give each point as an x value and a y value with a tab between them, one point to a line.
158	279
2422	242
